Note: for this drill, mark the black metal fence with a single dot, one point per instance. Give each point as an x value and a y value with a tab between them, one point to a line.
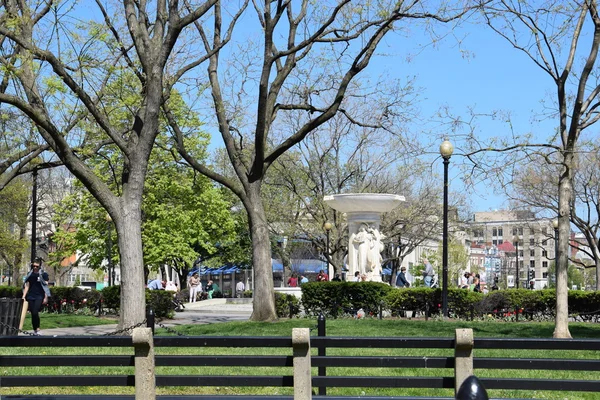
278	356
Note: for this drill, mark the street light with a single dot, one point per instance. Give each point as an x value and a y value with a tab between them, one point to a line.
34	215
446	149
516	242
555	226
327	226
111	268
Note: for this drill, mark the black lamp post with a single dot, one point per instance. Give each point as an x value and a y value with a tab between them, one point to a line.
555	226
34	216
327	226
516	242
446	149
109	244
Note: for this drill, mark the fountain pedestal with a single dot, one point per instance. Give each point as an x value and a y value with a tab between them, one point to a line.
365	242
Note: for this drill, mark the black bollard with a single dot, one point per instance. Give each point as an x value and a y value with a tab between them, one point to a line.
291	304
150	320
472	389
322	371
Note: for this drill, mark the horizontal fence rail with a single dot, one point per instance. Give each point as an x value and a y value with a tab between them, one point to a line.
283	365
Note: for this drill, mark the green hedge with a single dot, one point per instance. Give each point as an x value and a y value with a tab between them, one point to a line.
335	299
66	299
339	298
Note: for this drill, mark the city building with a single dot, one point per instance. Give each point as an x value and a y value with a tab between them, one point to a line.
534	238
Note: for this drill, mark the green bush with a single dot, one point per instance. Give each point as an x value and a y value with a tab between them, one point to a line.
283	303
161	302
111	297
337	298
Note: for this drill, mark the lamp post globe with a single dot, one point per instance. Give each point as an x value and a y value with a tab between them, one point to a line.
446	150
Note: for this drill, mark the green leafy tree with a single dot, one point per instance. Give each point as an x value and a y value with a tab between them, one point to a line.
14	212
63	73
184	217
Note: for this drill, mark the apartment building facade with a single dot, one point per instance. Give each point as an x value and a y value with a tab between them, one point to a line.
498	234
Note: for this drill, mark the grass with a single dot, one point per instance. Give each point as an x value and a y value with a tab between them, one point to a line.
51	320
341	327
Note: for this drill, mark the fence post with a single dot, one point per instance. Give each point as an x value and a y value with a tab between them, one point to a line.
150	319
322	371
302	365
463	356
145	379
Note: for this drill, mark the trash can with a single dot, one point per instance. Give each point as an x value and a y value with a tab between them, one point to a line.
10	316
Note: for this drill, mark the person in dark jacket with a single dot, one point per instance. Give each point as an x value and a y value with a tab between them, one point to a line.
401	279
36	292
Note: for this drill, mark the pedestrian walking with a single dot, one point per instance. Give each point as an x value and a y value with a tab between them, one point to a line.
36	292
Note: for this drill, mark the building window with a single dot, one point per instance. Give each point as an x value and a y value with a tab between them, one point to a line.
494	242
520	230
500	241
545	253
544	242
532	264
499	231
520	253
531	241
494	232
514	231
545	264
532	253
545	275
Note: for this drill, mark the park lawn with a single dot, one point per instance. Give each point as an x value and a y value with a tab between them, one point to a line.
340	327
52	320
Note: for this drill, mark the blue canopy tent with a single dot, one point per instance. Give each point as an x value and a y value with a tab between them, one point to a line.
302	266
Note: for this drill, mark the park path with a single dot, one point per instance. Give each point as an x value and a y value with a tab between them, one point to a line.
201	312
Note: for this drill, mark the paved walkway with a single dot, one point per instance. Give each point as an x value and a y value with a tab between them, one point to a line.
201	312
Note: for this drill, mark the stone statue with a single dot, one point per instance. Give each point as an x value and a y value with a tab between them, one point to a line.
361	241
376	247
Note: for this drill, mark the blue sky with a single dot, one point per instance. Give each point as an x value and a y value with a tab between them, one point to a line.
493	76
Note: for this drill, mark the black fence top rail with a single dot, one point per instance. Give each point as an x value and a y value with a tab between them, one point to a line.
223	341
65	341
381	342
537	344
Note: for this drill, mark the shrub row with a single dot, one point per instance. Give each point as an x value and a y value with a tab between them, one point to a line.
336	299
76	300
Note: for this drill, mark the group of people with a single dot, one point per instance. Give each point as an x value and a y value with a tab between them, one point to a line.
195	288
294	280
472	282
194	285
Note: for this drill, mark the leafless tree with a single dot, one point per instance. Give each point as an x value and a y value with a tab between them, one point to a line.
294	61
562	39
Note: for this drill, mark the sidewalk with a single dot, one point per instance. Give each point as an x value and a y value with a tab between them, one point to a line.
201	312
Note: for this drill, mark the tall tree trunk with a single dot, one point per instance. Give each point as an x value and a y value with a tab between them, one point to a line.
264	297
129	233
565	195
